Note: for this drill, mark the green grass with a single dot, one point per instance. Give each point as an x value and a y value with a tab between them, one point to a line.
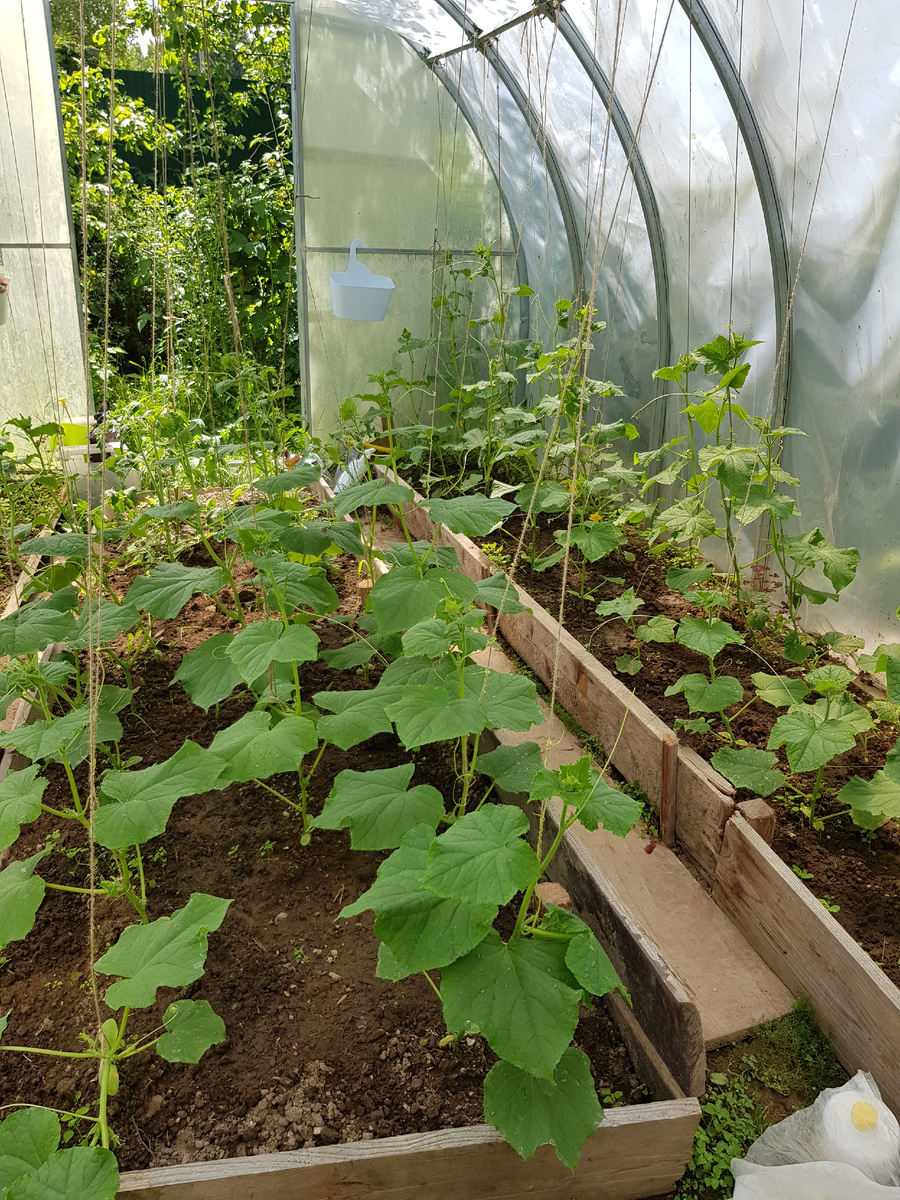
780	1068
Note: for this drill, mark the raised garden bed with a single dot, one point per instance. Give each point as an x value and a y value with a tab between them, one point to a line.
695	806
636	1152
285	942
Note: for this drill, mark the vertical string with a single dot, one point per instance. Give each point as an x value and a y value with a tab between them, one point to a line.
91	649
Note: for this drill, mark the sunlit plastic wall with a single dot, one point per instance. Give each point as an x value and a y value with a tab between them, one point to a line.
386	157
784	228
41	359
824	79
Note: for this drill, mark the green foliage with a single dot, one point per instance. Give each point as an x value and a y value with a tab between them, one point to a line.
519	995
378	807
872	802
191	1028
706	636
749	768
811	742
20	802
474	516
227	205
136	805
168	587
482	857
169	952
707	696
21	894
208	673
530	1112
731	1121
32	1168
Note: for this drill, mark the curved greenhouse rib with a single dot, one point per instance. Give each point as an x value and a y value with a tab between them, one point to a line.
462	104
538	132
714	45
573	36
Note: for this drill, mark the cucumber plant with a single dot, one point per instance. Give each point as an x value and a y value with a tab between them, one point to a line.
456	860
657	629
707	635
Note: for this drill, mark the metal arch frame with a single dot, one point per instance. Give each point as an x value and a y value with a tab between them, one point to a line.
297	70
521	263
763	172
300	207
538	132
574	38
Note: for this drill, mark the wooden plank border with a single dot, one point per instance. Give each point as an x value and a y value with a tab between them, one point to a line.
853	1000
638	1151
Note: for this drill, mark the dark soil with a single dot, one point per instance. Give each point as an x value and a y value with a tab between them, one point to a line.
858	876
318	1050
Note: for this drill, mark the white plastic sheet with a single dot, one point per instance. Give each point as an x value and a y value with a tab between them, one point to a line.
845	1146
807	1181
850	1124
822	81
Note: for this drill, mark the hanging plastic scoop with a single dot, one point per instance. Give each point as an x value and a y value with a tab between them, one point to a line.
358	294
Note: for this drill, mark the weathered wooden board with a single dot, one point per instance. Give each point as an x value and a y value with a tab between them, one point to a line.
733	989
759	816
652	1070
853	1000
704	804
638	1151
662	1005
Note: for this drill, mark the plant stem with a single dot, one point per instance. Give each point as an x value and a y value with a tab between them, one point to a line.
815	793
437	990
79	809
53	1053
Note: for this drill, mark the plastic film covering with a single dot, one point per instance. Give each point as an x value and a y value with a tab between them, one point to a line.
826	85
40	343
821	80
702	180
517	158
419	21
433	30
389	158
515	153
618	261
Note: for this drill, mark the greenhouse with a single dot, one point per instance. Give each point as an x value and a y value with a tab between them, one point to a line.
451	579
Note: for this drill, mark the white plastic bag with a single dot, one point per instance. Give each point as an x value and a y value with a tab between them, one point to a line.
849	1124
354	472
806	1181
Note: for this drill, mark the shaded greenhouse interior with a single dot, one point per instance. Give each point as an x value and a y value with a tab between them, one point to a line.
689	164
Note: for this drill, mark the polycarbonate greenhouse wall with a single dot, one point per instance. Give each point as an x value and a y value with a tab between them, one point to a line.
41	353
694	163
